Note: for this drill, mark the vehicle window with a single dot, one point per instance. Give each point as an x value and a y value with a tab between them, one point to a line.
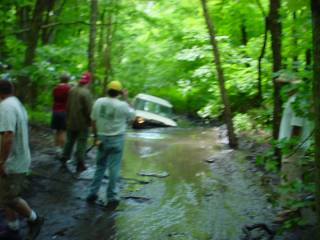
152	107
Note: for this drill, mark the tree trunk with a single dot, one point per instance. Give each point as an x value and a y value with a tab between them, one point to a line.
315	7
23	21
46	33
275	29
107	49
263	50
101	32
227	109
244	37
92	41
259	97
294	43
308	59
33	35
3	48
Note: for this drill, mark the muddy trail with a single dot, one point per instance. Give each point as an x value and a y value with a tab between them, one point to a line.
175	184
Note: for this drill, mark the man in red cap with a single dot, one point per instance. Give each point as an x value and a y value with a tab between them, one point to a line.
78	121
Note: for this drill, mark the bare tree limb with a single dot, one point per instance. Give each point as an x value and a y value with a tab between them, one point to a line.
58	24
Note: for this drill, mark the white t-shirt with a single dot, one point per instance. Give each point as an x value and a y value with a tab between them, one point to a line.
13	118
290	119
111	116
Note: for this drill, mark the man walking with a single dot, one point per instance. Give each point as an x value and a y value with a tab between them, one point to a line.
109	120
78	121
15	161
58	120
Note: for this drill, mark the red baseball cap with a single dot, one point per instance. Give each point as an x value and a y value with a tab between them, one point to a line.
85	78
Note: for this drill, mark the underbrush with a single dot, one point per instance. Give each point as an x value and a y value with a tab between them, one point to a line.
254	127
39	115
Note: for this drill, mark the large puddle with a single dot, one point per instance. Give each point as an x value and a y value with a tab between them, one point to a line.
185	198
168	191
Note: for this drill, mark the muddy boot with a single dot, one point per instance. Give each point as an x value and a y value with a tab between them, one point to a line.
34	228
81	166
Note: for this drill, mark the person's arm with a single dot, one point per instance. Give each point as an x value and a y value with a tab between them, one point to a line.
125	94
6	145
94	129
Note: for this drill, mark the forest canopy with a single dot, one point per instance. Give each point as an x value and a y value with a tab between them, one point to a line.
159	47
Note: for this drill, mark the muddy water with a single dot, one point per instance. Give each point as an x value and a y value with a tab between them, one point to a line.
168	191
197	200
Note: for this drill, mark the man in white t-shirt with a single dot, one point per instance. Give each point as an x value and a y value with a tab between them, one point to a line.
109	116
15	161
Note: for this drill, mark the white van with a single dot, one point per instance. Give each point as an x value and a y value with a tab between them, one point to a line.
152	111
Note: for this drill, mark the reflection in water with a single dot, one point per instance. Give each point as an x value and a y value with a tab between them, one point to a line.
194	201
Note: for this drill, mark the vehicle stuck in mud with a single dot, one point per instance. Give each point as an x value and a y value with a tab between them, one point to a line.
152	111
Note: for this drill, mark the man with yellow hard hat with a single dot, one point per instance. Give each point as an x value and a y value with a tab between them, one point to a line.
109	116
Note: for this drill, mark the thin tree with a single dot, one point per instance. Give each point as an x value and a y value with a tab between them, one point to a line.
32	42
108	44
262	53
275	28
227	109
92	40
46	32
315	7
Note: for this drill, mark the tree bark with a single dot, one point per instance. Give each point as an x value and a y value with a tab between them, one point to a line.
294	43
46	32
227	109
3	48
263	50
107	49
33	35
92	41
308	60
244	37
315	7
23	21
276	29
259	97
101	32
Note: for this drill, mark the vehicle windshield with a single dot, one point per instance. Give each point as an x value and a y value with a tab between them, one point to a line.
152	107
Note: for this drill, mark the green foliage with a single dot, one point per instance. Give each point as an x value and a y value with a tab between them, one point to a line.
39	115
268	161
242	122
162	48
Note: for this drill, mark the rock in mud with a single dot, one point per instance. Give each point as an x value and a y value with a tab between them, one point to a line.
153	174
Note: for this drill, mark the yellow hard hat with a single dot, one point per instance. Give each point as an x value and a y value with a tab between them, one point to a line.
115	85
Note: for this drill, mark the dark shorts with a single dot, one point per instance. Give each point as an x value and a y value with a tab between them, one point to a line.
11	187
58	121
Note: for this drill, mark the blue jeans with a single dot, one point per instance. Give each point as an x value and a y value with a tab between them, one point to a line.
109	156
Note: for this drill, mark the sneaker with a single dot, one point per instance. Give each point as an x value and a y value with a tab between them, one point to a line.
91	198
81	167
34	228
